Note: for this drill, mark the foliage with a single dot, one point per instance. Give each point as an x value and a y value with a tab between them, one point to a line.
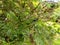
28	22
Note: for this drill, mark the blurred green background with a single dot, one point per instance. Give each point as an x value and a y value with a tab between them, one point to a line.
29	22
